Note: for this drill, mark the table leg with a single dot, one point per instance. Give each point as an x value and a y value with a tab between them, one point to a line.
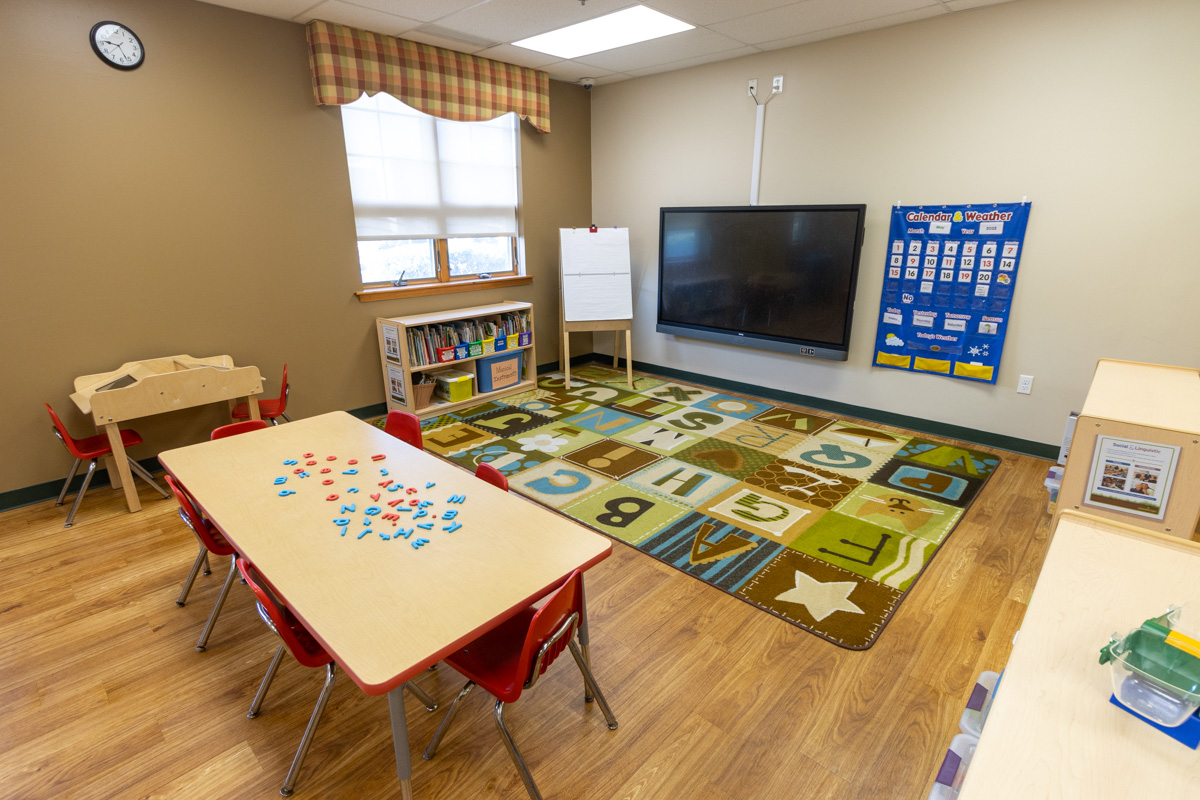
616	347
584	639
122	478
114	477
400	741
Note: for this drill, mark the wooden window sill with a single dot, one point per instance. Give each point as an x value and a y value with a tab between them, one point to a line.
422	289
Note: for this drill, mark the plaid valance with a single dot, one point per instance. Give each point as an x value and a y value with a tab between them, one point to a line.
442	83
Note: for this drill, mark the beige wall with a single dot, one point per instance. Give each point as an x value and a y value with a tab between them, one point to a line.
1086	106
201	205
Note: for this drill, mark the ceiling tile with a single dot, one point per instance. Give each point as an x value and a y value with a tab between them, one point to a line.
280	9
695	62
423	10
358	17
706	12
522	57
676	47
418	35
511	20
812	16
857	27
572	71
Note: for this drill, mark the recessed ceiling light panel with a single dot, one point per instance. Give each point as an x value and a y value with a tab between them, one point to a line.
633	25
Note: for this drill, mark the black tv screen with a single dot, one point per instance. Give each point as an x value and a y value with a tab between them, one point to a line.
773	277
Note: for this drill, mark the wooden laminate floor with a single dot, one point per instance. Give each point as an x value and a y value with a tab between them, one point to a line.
103	695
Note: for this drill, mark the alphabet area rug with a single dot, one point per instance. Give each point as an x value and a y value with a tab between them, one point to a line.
823	522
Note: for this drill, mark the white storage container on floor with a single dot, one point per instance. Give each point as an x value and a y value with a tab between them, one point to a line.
954	767
980	703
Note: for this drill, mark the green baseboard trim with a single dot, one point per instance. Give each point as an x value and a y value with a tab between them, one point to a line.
369	412
48	491
918	424
576	361
41	492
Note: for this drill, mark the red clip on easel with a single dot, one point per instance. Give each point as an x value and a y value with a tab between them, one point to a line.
593	229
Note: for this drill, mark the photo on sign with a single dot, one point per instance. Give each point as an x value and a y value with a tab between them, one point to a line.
397	385
391	343
1132	476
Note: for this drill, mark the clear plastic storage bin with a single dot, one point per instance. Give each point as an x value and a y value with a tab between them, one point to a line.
954	767
1155	668
980	703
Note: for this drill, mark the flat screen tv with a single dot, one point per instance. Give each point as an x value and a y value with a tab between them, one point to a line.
773	277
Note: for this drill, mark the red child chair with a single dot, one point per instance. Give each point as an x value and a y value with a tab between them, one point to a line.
487	472
270	410
307	650
93	448
512	656
234	428
405	427
211	541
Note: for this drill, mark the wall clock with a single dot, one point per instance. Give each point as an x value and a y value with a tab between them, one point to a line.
116	45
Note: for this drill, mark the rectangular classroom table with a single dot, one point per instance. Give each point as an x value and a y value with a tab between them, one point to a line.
384	609
1051	731
156	386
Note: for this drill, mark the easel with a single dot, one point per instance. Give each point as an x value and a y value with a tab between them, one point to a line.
596	291
614	325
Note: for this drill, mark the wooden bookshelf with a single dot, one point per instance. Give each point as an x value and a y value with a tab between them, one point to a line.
401	367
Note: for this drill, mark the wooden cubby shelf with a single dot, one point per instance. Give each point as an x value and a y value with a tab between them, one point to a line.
400	364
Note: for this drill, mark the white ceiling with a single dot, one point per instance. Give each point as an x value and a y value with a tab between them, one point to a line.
724	28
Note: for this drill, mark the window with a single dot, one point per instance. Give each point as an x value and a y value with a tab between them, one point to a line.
434	200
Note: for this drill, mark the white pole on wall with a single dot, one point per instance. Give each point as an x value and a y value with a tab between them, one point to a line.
760	115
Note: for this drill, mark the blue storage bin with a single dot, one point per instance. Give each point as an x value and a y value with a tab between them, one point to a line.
499	371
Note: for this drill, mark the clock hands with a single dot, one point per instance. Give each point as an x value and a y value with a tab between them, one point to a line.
117	46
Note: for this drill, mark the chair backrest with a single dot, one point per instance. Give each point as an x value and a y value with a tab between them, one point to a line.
551	628
306	649
492	475
233	429
192	516
283	391
61	430
404	426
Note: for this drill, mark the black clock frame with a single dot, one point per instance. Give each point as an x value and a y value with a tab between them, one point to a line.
100	54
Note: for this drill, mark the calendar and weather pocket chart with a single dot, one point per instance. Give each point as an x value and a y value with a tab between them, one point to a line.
948	288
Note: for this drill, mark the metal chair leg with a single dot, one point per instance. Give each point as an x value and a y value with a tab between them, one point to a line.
87	481
591	682
212	618
290	782
585	637
515	754
266	684
141	472
201	561
285	416
67	483
207	569
421	695
431	750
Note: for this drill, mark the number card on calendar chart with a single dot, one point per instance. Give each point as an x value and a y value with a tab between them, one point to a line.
948	286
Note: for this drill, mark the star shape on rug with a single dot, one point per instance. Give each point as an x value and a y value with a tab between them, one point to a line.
821	599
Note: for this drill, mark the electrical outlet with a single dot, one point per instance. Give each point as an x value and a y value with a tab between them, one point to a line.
1025	384
777	84
753	90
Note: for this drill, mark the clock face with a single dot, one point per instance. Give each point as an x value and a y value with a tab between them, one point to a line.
117	46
